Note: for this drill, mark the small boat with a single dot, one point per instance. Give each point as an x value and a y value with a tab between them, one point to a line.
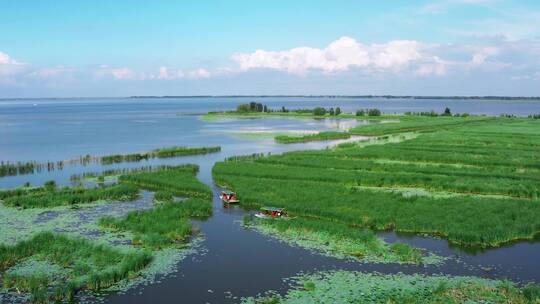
271	213
229	197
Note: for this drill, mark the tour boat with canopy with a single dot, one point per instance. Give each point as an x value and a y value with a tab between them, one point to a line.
229	197
272	212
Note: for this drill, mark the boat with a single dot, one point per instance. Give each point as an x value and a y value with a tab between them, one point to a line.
272	213
229	197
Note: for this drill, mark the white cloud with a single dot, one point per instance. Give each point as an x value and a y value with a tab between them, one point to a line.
10	66
340	55
437	67
165	74
395	54
198	73
123	73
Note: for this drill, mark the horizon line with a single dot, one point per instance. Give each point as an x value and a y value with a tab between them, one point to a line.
388	96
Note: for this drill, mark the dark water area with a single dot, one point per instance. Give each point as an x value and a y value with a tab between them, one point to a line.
237	261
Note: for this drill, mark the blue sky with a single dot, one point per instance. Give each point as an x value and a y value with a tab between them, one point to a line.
121	48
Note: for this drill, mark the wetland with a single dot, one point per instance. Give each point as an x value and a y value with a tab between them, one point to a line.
400	207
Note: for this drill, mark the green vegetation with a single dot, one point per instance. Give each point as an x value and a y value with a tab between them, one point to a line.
340	240
179	181
319	111
53	267
165	225
163	197
418	124
159	153
251	107
358	287
286	139
50	196
369	112
29	167
7	168
487	169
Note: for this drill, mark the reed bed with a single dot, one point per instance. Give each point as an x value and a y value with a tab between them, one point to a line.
330	135
165	225
418	124
31	167
488	174
116	172
85	266
47	197
179	181
158	153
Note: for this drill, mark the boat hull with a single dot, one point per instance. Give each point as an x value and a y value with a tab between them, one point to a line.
229	201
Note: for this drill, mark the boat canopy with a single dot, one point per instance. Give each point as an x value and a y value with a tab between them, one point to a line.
272	209
227	192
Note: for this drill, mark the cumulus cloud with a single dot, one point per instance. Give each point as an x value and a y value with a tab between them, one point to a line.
10	66
396	57
340	55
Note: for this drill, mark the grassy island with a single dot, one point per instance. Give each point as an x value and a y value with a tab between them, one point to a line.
158	153
51	196
329	135
473	181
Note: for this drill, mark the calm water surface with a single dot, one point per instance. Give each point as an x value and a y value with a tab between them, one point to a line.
237	260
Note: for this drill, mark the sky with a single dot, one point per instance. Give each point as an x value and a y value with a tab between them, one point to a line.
213	47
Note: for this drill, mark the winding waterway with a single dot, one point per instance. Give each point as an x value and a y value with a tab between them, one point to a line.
236	261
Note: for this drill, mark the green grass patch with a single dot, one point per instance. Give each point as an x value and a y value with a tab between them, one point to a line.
159	153
475	184
341	241
165	225
417	124
54	267
286	139
358	287
179	181
47	197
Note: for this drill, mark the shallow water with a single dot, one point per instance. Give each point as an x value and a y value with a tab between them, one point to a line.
237	260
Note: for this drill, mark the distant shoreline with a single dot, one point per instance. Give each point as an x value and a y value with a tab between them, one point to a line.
298	96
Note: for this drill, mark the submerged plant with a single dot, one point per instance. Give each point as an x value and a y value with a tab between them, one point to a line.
358	287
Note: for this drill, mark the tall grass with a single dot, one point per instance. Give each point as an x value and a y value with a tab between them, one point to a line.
330	135
165	225
46	197
30	167
476	185
159	153
417	124
87	266
180	181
